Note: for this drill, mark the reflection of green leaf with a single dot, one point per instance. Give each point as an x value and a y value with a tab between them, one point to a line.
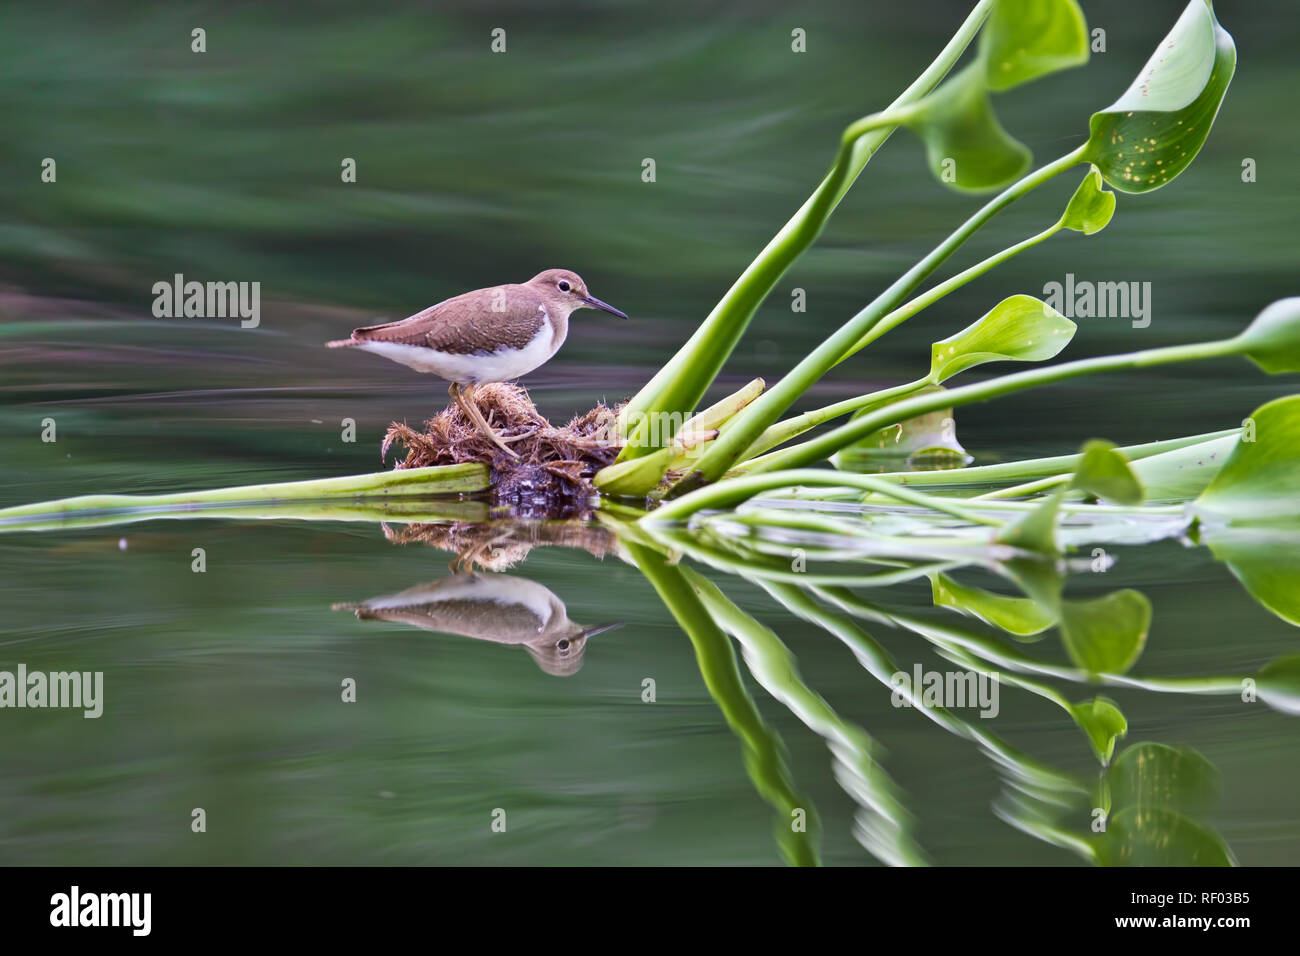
1139	837
1258	481
1036	530
1026	39
1104	473
1103	722
1018	616
1153	775
1154	131
1106	635
1272	340
1266	560
1017	329
1278	683
965	145
1153	788
1091	206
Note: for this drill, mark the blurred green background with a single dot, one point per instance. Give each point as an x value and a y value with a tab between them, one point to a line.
475	169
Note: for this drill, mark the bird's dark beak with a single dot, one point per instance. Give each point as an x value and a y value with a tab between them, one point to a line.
593	302
599	629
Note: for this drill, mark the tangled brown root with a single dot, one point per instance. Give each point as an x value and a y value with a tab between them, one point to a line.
554	463
499	545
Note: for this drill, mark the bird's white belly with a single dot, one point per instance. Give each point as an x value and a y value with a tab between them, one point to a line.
502	365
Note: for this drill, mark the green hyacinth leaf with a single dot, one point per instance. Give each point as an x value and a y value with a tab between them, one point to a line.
1023	618
1278	683
1272	340
1026	39
966	147
1106	635
1154	131
1103	722
1137	836
1182	474
1091	206
932	436
1017	329
1036	531
1156	775
1265	558
1258	481
1106	474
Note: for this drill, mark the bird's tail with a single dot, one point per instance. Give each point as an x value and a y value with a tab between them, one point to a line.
341	343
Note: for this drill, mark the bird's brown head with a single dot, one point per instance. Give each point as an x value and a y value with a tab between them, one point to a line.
561	654
565	291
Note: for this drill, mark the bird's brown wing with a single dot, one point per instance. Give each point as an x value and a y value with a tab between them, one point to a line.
467	324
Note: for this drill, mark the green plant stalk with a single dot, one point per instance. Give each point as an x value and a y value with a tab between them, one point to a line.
773	666
441	479
681	383
924	301
826	445
754	420
1030	468
413	510
783	431
763	752
732	492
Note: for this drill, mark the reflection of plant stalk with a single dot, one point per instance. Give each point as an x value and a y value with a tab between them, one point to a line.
773	666
763	751
877	662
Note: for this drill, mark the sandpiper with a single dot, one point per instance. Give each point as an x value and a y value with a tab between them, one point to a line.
488	335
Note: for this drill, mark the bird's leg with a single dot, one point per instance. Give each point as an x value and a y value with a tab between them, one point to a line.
465	399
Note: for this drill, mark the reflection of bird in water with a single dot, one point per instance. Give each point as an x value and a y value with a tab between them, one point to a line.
490	607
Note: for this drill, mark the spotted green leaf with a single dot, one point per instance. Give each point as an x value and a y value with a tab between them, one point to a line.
1155	129
1018	329
1182	473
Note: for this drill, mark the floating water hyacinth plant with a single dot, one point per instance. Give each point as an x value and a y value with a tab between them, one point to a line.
656	446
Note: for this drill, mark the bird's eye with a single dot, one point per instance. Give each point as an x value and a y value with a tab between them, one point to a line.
564	286
562	644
